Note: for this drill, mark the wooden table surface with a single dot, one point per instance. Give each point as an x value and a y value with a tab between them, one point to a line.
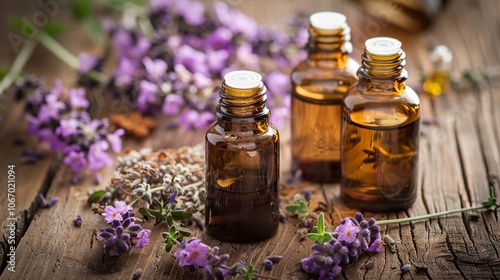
459	159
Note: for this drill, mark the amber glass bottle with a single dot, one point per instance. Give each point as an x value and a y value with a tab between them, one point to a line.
242	163
380	133
319	83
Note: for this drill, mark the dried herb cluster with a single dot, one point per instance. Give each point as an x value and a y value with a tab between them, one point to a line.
168	184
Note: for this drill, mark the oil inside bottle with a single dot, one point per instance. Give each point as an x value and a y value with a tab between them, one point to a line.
316	129
242	187
381	144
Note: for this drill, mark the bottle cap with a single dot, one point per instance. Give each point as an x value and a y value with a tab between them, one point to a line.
328	20
243	79
383	46
441	53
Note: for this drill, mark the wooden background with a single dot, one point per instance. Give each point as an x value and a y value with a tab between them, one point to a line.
459	159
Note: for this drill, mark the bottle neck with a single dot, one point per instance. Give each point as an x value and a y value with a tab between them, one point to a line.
383	74
329	48
243	109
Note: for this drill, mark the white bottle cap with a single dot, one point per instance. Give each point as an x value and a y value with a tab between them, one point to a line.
243	79
383	46
328	20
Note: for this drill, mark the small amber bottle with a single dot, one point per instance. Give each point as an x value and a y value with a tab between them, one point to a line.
438	79
242	163
319	83
380	132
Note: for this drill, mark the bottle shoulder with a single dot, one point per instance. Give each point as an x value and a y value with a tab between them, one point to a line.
217	135
306	70
356	96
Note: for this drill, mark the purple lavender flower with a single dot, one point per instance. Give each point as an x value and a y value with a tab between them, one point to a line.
117	238
347	232
193	254
192	119
51	109
156	68
67	127
217	59
115	140
143	238
172	104
279	116
236	21
97	156
278	83
147	95
219	39
77	98
125	71
75	160
192	59
349	240
193	12
86	62
115	213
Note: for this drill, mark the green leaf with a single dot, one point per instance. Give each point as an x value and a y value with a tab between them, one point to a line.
96	196
326	237
179	215
169	219
16	22
82	9
315	237
3	73
54	28
321	224
292	208
94	29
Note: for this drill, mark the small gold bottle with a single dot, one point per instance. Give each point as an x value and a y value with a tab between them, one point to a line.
242	163
438	79
319	83
380	132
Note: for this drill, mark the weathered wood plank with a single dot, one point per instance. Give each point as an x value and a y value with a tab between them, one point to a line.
30	179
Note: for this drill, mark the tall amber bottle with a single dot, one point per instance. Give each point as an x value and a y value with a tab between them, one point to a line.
242	163
380	133
319	83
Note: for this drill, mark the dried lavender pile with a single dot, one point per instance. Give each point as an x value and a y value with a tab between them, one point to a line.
158	180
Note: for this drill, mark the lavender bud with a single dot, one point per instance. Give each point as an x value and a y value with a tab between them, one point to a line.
363	224
356	243
275	259
42	200
359	217
268	264
337	258
77	221
374	229
52	201
336	246
405	268
305	223
307	194
365	233
353	252
371	264
137	274
344	250
218	274
119	231
371	222
345	259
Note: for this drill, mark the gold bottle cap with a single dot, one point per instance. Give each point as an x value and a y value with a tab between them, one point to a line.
383	46
328	20
243	79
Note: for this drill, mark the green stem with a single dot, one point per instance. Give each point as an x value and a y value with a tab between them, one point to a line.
18	65
121	6
66	56
428	216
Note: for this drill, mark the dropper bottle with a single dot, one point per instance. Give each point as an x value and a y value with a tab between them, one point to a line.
319	83
380	132
242	163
